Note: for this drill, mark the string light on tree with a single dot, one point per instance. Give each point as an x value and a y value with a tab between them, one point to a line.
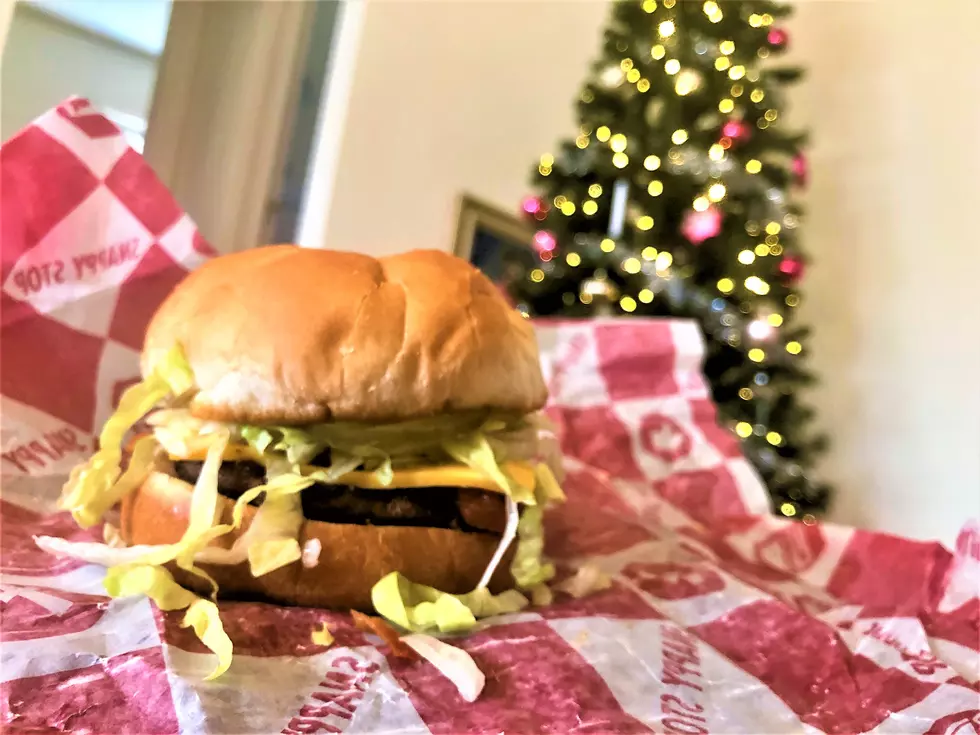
689	154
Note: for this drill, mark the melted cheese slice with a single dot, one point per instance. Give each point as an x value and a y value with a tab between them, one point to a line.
450	475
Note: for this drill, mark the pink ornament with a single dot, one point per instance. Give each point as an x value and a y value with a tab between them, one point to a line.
792	267
777	37
801	169
735	129
532	205
544	241
700	226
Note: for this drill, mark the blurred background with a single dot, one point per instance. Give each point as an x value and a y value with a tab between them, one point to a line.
361	125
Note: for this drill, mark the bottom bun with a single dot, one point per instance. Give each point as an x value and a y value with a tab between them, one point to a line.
352	558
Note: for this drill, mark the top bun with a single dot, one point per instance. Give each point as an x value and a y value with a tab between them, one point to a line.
290	335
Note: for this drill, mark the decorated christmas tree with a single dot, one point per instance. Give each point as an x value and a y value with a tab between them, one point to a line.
676	197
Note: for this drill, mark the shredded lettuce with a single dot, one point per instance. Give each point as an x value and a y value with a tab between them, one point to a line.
587	579
420	608
88	485
474	451
452	662
272	539
158	584
527	567
322	636
546	485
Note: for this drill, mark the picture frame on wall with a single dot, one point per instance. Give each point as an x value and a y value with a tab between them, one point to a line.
496	242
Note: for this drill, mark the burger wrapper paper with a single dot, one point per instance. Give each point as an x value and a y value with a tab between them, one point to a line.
720	617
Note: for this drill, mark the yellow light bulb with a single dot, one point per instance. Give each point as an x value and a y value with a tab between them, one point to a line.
573	259
775	320
743	429
716	152
607	245
773	228
547	160
646	296
658	52
753	166
727	47
568	208
716	17
544	170
651	163
595	190
655	188
757	95
755	20
585	298
537	275
722	63
590	208
757	355
582	141
643	85
664	260
746	394
763	288
669	3
767	19
649	6
631	265
666	29
736	72
649	253
559	200
792	300
752	282
620	160
794	348
746	257
710	7
716	192
726	285
618	142
762	250
700	204
672	66
626	64
776	249
633	76
771	115
602	133
644	223
627	304
726	105
737	90
679	136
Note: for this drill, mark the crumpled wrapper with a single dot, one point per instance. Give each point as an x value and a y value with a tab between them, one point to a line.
720	618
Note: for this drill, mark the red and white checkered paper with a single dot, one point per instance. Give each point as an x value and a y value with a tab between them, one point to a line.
721	618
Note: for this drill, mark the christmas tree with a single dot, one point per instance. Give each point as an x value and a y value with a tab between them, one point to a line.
676	198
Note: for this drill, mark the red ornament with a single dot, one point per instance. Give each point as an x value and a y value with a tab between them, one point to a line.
700	226
801	169
735	130
792	267
544	242
778	37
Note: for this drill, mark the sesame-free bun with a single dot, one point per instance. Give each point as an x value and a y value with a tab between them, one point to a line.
352	558
283	334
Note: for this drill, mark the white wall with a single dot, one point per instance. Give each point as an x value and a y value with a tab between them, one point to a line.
451	95
892	100
463	95
46	60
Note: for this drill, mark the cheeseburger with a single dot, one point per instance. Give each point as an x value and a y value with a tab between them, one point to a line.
327	429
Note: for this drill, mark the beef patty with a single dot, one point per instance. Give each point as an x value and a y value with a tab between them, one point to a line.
464	509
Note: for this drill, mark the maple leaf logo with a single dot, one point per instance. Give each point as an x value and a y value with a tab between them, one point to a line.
664	438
